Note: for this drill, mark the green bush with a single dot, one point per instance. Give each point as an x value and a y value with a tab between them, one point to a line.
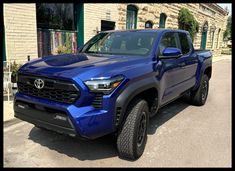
63	50
13	67
187	22
226	51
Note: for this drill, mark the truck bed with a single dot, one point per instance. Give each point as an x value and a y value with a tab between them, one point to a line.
204	53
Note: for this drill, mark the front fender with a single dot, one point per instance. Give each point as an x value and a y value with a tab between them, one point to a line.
130	92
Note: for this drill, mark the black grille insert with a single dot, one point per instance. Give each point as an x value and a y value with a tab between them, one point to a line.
118	115
56	90
97	101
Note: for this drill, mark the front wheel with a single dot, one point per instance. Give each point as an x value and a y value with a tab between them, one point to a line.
132	137
199	96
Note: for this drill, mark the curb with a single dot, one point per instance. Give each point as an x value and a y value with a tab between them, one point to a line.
10	122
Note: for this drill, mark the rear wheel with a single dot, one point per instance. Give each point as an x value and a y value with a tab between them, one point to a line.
132	137
199	96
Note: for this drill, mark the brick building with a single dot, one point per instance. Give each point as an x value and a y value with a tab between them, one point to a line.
39	29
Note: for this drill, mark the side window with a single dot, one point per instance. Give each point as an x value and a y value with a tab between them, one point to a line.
168	40
185	47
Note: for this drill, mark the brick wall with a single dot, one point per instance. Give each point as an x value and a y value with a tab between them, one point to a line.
94	13
20	30
152	12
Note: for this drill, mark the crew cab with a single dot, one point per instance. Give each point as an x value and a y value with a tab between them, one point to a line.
115	83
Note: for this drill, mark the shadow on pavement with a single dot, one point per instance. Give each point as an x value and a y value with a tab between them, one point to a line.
165	113
104	147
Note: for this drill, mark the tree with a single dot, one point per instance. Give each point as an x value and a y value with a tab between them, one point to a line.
227	33
187	22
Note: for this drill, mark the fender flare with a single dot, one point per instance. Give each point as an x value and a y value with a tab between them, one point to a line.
130	92
206	64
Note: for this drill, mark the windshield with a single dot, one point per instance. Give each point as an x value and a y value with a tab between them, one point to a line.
121	43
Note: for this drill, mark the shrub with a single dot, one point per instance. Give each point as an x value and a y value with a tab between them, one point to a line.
187	22
227	51
61	50
13	67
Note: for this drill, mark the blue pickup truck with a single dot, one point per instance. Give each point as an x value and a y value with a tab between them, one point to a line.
113	85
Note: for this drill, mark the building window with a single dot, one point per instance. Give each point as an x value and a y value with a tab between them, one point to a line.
131	17
56	31
148	24
213	28
162	21
55	16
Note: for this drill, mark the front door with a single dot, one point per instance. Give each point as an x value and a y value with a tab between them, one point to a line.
204	35
173	75
203	41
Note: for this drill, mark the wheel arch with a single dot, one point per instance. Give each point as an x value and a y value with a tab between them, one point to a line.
146	89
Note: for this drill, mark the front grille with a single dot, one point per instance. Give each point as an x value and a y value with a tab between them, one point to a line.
97	101
56	90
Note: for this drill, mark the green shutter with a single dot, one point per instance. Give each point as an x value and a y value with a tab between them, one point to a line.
79	15
203	40
162	20
135	26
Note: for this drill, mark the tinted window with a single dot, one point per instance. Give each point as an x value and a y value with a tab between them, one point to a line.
121	43
168	40
55	16
185	48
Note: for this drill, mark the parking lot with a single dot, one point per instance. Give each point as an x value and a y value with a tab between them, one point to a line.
180	135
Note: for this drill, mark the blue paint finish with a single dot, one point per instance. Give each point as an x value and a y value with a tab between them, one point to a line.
171	52
173	75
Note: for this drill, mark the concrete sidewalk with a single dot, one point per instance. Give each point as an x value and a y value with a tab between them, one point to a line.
8	105
221	57
8	111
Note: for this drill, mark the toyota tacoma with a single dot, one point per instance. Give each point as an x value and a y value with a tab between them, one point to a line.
113	85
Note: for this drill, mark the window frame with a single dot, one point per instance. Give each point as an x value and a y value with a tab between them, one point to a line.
50	25
189	43
151	23
157	53
162	16
95	39
132	8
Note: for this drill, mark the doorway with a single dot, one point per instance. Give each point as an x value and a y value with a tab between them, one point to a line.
107	25
204	35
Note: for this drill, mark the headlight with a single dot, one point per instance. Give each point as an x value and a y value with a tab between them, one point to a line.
104	85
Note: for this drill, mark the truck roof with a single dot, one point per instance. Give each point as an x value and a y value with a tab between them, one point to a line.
148	30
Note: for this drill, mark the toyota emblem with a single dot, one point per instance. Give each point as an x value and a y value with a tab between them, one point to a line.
39	83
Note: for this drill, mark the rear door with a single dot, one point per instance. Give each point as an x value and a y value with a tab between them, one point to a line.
189	64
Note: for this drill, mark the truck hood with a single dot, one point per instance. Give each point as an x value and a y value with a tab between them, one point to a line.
82	66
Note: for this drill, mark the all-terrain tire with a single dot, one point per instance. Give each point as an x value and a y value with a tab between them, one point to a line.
199	96
132	137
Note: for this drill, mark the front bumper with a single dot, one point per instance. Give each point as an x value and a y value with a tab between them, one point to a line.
84	122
